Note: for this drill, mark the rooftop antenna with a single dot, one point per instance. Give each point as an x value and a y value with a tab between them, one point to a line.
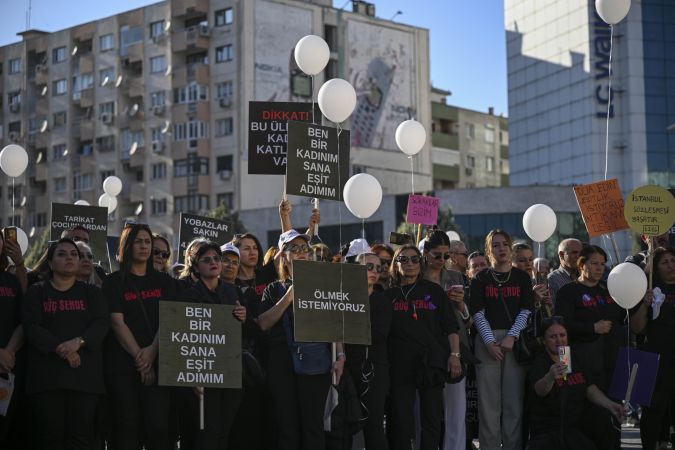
397	13
28	14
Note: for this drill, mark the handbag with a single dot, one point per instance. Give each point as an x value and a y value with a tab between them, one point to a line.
526	346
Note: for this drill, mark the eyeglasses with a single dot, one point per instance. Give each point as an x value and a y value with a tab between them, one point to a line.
385	262
160	253
437	256
295	249
370	267
404	259
230	262
209	259
88	256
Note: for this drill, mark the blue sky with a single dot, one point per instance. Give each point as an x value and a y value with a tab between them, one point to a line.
468	49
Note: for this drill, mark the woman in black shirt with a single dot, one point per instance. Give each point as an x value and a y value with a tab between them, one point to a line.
654	318
423	350
65	322
140	408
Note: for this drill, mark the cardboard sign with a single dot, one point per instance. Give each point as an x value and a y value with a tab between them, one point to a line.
267	133
199	345
193	226
331	303
422	209
94	218
314	157
643	388
601	205
650	210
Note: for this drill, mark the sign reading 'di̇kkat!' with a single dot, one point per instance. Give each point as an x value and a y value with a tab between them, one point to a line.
650	210
314	157
331	303
267	133
193	226
94	218
601	205
199	345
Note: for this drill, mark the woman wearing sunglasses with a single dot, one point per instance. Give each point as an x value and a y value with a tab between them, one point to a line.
161	253
139	407
501	301
369	365
423	351
87	274
386	255
559	393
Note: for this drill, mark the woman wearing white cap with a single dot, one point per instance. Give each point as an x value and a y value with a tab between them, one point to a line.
230	260
299	392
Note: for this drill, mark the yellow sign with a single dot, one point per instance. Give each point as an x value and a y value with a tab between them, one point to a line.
650	210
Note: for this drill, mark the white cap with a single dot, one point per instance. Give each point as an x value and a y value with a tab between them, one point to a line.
289	235
229	248
357	246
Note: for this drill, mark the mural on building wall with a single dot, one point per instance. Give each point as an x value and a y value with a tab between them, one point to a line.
383	74
278	28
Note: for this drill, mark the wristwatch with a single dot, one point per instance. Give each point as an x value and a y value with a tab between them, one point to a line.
456	355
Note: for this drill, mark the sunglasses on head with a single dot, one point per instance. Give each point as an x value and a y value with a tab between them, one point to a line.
438	256
370	267
404	259
161	253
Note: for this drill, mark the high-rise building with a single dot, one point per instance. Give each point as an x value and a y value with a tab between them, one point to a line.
558	80
469	149
159	97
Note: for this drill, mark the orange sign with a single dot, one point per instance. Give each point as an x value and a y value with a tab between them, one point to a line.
601	205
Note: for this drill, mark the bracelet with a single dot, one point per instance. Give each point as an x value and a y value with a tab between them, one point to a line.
456	355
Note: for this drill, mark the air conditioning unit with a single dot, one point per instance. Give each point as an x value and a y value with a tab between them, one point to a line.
106	117
158	110
15	107
225	102
225	174
204	30
13	136
158	147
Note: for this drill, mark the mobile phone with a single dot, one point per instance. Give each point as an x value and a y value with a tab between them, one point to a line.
400	238
10	234
541	278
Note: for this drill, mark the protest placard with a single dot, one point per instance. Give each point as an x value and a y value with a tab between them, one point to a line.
331	303
94	218
199	345
267	133
314	157
601	205
650	210
193	226
422	209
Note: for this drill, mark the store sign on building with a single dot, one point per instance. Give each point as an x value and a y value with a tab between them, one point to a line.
601	44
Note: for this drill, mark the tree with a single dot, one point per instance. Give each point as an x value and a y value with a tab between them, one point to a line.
37	249
222	212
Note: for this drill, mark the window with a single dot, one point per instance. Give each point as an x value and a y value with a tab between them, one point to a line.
60	184
59	119
223	163
224	53
224	127
224	90
470	131
106	76
37	220
106	42
470	161
158	171
105	174
87	81
157	98
59	87
158	206
59	55
14	98
15	65
191	166
490	164
447	126
223	17
86	148
301	84
106	108
59	152
190	130
128	139
156	29
489	135
105	144
226	199
191	93
158	64
191	203
157	135
82	182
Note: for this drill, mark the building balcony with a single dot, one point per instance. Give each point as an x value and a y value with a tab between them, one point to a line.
180	149
41	74
180	8
504	151
444	140
86	63
193	38
200	183
87	129
84	98
42	106
138	158
135	87
41	172
137	192
134	53
198	73
184	112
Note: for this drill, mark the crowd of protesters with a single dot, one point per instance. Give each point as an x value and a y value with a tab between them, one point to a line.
81	346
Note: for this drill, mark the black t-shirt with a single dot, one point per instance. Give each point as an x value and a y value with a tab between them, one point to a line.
272	294
380	322
251	291
421	321
10	306
489	295
122	298
564	402
660	332
51	317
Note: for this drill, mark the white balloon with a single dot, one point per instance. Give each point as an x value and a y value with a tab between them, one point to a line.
453	235
13	160
108	201
539	222
112	186
362	195
612	11
410	137
337	99
311	54
82	203
627	284
22	239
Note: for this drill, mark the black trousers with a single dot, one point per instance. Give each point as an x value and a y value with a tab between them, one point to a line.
140	414
254	427
376	387
63	419
298	403
656	415
220	409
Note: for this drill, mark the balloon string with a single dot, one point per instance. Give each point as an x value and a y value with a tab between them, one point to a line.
340	199
412	176
609	99
313	120
363	228
13	221
628	343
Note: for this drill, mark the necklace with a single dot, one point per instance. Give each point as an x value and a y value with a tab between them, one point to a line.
497	280
405	296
